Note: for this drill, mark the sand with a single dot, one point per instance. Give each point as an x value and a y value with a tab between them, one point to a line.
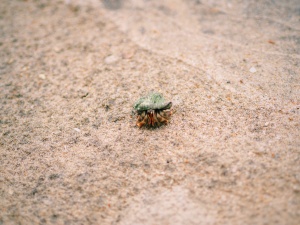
70	72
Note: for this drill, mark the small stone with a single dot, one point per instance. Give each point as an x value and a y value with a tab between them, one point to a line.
111	59
57	49
128	54
77	130
10	191
42	76
252	70
10	61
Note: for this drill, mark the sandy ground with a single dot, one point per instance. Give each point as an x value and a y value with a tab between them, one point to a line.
70	152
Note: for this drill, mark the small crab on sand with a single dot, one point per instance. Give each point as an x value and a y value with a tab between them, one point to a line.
152	110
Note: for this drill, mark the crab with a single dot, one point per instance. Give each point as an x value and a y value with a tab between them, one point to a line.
152	110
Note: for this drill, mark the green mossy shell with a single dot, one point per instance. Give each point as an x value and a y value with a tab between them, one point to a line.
152	101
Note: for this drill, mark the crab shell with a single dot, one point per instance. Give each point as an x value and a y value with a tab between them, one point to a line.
152	110
152	101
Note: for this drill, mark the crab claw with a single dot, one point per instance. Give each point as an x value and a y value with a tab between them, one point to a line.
151	117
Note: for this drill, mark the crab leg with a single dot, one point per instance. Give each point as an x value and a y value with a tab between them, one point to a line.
165	114
155	119
143	122
161	119
141	116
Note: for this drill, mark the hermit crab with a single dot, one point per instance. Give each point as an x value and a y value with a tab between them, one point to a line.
152	110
